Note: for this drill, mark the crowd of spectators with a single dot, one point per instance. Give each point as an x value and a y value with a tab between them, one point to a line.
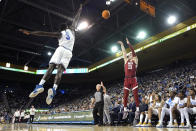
176	78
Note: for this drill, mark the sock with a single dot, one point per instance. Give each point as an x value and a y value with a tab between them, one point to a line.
146	118
175	121
125	97
55	86
141	118
137	109
135	94
149	121
42	82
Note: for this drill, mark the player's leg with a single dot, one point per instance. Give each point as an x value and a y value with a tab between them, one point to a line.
150	112
141	119
39	88
170	113
53	61
174	115
52	91
186	114
146	119
163	112
63	62
134	87
125	98
182	117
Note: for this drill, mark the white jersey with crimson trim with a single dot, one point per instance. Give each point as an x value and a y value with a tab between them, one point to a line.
67	39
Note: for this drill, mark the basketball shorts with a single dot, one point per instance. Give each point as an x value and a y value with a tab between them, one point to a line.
61	56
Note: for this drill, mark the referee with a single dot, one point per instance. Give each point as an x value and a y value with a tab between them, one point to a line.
99	104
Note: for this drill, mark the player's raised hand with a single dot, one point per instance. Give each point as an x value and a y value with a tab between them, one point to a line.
26	32
102	84
120	42
127	40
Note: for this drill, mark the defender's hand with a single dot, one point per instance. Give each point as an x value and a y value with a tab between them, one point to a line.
127	41
120	42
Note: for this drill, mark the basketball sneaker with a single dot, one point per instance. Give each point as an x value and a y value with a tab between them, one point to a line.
38	89
181	125
51	94
170	125
159	125
139	124
144	124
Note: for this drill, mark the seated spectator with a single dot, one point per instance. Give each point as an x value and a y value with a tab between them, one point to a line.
132	109
143	108
155	109
167	110
115	111
191	104
16	116
182	104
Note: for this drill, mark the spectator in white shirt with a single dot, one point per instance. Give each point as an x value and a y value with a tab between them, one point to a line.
22	114
16	116
32	113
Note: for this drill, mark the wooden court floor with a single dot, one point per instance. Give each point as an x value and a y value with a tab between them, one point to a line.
52	127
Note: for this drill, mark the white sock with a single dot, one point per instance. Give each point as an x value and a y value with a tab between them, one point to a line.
42	82
137	108
55	86
175	121
149	121
146	118
141	118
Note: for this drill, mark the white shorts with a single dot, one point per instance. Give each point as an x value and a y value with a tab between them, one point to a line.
192	111
61	56
155	111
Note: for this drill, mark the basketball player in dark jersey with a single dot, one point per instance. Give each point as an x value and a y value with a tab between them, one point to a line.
130	81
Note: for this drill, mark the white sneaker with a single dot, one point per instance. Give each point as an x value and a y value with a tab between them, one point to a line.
159	125
170	125
175	125
139	124
189	126
51	94
182	125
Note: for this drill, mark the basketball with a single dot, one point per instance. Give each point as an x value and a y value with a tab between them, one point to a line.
105	14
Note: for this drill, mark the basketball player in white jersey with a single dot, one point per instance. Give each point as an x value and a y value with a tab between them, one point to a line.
191	103
167	110
183	112
61	57
154	109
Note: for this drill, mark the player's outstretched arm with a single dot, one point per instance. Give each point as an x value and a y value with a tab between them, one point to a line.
41	33
131	47
123	50
132	51
76	18
104	89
